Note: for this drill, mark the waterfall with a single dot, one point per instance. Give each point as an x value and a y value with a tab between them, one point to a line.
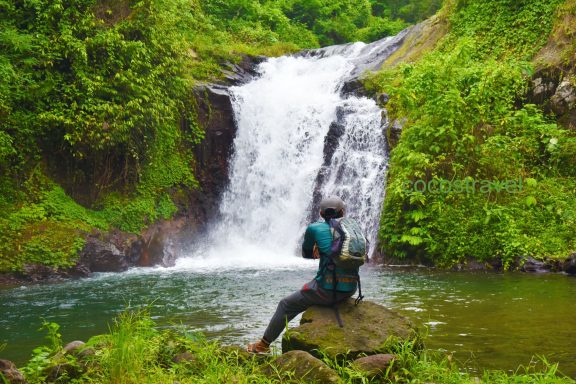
298	137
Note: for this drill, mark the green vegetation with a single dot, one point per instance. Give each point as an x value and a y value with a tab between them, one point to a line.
97	119
466	119
134	351
93	101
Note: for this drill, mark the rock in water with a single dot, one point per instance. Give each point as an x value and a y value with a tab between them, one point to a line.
304	367
368	329
569	266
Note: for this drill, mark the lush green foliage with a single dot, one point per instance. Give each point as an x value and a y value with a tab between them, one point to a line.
465	120
408	10
135	351
96	104
94	98
307	23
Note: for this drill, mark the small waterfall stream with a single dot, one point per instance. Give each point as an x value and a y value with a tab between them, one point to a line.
298	139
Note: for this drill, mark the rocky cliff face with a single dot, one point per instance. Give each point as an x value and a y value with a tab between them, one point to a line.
554	81
162	242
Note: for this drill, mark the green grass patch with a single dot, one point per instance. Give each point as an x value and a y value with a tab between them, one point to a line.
136	351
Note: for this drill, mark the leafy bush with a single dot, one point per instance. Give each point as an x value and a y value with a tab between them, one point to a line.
465	122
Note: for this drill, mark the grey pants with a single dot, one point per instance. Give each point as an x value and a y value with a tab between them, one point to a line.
290	306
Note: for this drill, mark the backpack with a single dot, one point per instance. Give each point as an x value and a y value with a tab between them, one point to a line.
348	251
349	245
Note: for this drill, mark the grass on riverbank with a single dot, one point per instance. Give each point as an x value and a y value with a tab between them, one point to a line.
135	351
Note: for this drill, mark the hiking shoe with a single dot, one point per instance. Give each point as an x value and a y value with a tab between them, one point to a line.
259	347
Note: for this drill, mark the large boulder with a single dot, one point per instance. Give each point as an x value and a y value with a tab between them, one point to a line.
101	256
369	329
302	366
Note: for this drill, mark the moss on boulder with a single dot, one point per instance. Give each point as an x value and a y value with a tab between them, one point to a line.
298	366
369	329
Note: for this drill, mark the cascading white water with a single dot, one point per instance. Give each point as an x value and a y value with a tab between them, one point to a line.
356	172
283	117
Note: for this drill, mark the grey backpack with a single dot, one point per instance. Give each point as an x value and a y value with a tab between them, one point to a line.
349	245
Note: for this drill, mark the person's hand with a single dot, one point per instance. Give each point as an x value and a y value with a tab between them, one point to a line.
316	252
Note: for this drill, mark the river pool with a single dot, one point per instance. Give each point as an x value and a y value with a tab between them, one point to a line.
486	320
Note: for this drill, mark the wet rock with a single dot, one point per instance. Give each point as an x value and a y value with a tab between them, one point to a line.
243	71
395	131
161	243
73	347
418	40
470	264
335	132
530	264
564	99
353	87
158	251
569	266
100	256
331	142
543	88
475	265
302	366
10	373
563	103
368	329
216	115
382	99
37	272
375	365
9	280
553	265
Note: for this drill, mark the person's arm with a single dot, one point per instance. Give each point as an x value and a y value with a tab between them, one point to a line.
308	244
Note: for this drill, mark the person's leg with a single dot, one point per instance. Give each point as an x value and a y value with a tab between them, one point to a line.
290	306
287	309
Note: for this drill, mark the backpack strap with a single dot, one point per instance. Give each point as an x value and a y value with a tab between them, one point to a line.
334	303
333	229
360	295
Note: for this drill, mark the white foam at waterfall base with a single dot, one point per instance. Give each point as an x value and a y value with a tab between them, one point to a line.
242	254
283	117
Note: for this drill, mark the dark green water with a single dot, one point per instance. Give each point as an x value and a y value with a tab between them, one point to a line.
487	320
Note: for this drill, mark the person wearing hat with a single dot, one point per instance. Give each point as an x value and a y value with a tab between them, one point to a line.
320	291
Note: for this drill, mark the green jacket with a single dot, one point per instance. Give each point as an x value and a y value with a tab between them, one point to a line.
320	233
